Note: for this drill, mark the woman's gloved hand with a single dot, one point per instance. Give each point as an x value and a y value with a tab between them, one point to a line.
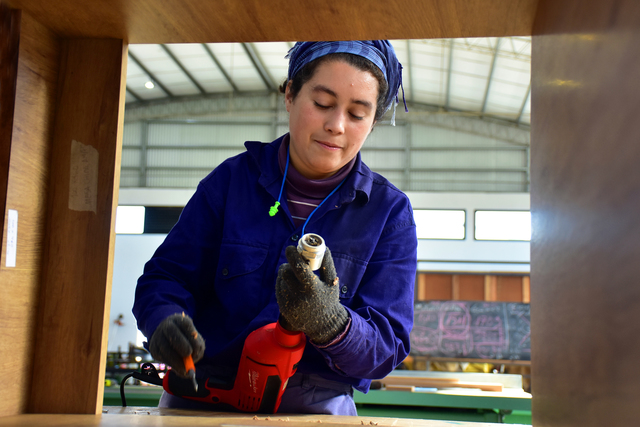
309	303
174	339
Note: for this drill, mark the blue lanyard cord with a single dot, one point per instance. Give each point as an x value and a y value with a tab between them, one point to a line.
325	199
273	210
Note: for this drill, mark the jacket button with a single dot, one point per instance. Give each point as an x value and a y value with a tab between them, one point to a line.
344	289
225	271
295	238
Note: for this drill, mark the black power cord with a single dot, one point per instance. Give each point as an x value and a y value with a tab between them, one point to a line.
148	374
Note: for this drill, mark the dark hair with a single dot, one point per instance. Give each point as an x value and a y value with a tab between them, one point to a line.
306	73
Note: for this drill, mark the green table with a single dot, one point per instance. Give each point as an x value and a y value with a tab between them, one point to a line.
461	405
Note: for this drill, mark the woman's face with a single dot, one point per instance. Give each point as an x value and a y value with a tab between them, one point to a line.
330	118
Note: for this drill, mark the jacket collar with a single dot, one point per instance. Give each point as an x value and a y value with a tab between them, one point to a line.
265	155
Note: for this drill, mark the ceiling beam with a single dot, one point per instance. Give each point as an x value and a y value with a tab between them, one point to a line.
183	68
259	65
153	78
490	78
524	104
448	92
409	68
135	95
220	67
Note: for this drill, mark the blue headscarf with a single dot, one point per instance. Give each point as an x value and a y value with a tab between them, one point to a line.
379	52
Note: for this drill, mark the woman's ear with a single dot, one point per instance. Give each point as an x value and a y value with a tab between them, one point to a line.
288	96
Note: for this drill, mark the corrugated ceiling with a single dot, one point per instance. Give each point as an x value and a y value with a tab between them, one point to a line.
489	77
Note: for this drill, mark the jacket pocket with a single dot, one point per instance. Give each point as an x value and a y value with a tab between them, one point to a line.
240	272
350	272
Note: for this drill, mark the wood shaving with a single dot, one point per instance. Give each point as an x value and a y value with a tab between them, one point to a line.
268	419
255	417
372	423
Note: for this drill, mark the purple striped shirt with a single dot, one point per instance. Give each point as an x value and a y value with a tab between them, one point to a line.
304	195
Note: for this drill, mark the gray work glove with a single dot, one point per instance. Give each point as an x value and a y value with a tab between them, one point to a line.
174	339
309	303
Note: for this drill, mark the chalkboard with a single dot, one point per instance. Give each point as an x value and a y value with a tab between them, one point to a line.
471	329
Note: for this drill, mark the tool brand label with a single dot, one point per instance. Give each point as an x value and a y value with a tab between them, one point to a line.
253	380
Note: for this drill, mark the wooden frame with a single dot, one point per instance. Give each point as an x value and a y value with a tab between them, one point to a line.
584	179
9	41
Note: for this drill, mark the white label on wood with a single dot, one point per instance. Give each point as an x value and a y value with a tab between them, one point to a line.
12	237
83	177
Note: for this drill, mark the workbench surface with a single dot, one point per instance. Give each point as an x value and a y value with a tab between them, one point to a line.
143	416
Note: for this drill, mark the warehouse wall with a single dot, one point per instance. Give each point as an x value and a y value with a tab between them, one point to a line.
448	256
425	151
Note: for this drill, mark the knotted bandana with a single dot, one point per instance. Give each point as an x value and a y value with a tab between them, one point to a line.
379	52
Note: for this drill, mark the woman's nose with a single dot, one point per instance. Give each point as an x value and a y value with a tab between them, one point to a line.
335	122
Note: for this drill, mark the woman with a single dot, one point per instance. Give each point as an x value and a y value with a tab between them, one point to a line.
230	265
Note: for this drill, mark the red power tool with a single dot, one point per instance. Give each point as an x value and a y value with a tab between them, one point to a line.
269	358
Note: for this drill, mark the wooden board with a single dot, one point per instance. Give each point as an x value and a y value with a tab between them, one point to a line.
27	187
412	381
195	21
72	326
585	205
155	417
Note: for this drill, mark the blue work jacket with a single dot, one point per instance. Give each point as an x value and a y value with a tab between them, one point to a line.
220	261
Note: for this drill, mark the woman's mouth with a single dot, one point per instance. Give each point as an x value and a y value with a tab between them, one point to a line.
328	145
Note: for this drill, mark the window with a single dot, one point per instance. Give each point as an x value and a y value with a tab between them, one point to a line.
503	225
130	220
440	224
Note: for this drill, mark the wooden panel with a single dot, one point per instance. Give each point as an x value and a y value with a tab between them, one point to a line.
470	287
509	288
9	42
26	193
434	287
194	21
72	324
585	204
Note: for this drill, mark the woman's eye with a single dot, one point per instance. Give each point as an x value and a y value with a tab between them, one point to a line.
324	107
355	116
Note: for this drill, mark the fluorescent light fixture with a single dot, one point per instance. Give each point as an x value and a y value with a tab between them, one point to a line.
130	220
440	224
503	225
149	85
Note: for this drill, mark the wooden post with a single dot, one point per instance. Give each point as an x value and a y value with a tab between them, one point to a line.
585	205
72	325
27	178
9	42
455	287
490	287
526	289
